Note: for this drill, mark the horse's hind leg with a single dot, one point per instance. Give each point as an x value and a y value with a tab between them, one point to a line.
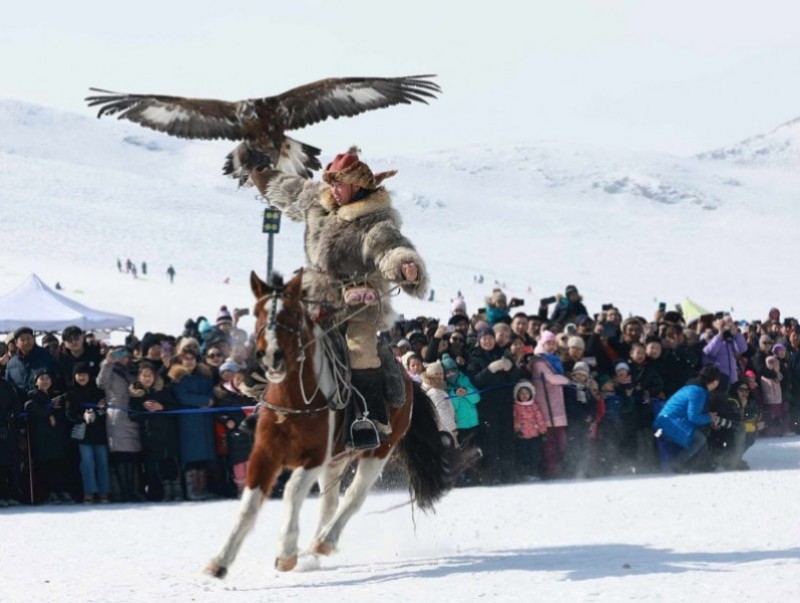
329	481
294	493
368	471
248	511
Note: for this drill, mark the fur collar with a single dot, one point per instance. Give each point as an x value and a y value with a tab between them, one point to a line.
376	201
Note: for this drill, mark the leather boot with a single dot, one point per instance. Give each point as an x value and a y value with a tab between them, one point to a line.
370	383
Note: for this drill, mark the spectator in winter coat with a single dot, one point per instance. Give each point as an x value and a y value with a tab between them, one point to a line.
794	377
683	418
85	404
74	350
49	438
723	348
433	384
549	379
10	410
149	400
497	308
727	444
647	387
529	427
772	397
124	442
494	373
568	307
464	398
680	362
238	443
29	359
192	385
631	331
581	406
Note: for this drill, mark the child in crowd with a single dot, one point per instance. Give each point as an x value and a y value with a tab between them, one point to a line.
581	407
238	442
49	433
529	429
433	384
149	399
412	363
85	408
549	379
464	397
773	399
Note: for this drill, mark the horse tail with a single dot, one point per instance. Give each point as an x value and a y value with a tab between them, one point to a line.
433	460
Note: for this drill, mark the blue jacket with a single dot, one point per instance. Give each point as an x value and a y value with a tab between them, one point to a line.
196	430
684	413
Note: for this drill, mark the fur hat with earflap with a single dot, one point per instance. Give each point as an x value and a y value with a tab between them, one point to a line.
347	168
524	385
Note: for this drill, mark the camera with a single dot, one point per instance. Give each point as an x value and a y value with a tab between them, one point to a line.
726	333
516	302
545	301
662	307
606	307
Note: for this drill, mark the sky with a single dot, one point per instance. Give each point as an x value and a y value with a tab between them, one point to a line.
679	76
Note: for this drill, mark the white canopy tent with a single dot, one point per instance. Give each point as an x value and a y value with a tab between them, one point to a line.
33	304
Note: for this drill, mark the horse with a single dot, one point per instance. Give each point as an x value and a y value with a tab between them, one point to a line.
297	430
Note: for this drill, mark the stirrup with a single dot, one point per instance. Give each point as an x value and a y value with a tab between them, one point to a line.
364	435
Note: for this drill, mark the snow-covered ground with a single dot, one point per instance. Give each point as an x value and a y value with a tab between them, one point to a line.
711	537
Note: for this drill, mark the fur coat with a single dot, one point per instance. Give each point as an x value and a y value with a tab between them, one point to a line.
359	241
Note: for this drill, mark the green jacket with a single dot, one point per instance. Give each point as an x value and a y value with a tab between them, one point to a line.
465	406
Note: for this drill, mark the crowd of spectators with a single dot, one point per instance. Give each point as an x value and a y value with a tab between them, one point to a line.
560	393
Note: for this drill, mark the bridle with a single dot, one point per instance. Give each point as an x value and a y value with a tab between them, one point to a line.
273	324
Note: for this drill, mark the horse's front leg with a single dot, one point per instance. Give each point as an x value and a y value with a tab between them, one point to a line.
369	469
262	472
294	494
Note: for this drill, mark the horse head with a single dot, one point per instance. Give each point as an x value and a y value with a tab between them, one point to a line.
280	323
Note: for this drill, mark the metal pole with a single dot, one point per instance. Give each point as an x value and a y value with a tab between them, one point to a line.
270	249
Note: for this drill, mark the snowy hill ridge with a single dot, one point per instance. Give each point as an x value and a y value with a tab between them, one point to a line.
624	226
778	148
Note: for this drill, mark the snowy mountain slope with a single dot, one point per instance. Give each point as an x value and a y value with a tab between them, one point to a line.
779	148
633	228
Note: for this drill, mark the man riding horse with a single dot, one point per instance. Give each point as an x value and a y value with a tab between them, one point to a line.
356	254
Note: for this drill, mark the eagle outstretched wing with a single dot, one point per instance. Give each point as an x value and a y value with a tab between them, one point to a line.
183	117
345	97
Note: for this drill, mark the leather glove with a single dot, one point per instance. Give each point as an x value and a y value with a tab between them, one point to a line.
262	179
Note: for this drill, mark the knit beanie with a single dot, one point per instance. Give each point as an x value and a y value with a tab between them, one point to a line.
582	368
224	317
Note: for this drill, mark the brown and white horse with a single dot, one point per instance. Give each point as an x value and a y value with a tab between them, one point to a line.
296	430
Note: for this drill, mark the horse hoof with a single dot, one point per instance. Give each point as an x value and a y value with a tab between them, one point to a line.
285	564
216	570
322	548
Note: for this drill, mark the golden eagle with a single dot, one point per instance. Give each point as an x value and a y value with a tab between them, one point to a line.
261	123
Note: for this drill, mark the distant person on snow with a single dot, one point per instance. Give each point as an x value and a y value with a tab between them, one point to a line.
144	268
171	274
119	265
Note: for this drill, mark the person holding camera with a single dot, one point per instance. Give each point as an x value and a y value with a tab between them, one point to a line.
723	348
568	306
